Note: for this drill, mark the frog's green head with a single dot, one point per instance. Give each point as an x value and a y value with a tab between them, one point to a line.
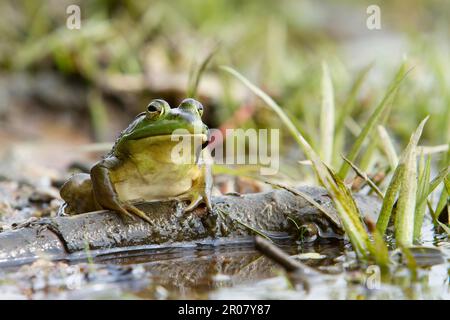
161	120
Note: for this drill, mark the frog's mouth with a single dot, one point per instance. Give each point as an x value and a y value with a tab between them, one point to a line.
203	136
178	137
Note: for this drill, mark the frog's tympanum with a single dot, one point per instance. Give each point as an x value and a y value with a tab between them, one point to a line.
141	165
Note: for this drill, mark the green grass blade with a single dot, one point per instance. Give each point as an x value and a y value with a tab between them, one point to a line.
380	251
196	76
327	116
410	262
422	192
346	110
350	102
396	183
446	228
443	201
367	157
447	184
442	176
373	120
350	215
389	200
272	104
404	222
99	115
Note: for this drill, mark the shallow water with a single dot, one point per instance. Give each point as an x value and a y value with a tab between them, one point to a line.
231	272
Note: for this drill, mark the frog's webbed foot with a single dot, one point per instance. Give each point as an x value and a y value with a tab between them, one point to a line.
196	198
127	209
201	189
199	193
132	210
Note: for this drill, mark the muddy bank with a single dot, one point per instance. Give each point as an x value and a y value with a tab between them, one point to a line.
276	214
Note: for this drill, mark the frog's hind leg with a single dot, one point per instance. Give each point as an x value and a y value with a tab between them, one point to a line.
106	195
78	196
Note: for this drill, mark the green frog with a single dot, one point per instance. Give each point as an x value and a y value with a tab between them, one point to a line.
142	165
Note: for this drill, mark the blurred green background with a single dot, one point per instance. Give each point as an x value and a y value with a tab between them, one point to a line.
71	87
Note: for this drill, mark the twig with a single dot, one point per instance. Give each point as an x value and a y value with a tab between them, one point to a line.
276	254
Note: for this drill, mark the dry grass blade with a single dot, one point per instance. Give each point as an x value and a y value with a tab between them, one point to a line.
433	149
309	199
388	147
254	230
327	116
366	178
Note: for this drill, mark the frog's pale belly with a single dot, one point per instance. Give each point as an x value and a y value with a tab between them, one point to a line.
158	185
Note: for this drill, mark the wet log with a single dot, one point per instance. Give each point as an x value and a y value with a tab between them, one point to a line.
277	214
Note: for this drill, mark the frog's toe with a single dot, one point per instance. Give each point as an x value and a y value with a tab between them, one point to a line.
132	210
197	199
207	201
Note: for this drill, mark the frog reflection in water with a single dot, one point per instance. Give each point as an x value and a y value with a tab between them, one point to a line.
140	165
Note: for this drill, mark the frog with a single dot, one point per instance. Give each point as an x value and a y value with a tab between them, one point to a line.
141	165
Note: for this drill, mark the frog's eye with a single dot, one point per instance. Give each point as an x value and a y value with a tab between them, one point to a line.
200	109
155	108
190	104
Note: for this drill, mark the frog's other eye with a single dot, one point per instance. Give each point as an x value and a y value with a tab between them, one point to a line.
200	109
190	103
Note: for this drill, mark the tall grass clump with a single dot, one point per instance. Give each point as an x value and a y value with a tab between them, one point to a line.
341	195
406	196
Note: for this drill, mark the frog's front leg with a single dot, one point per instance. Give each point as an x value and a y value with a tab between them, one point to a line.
105	193
201	187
